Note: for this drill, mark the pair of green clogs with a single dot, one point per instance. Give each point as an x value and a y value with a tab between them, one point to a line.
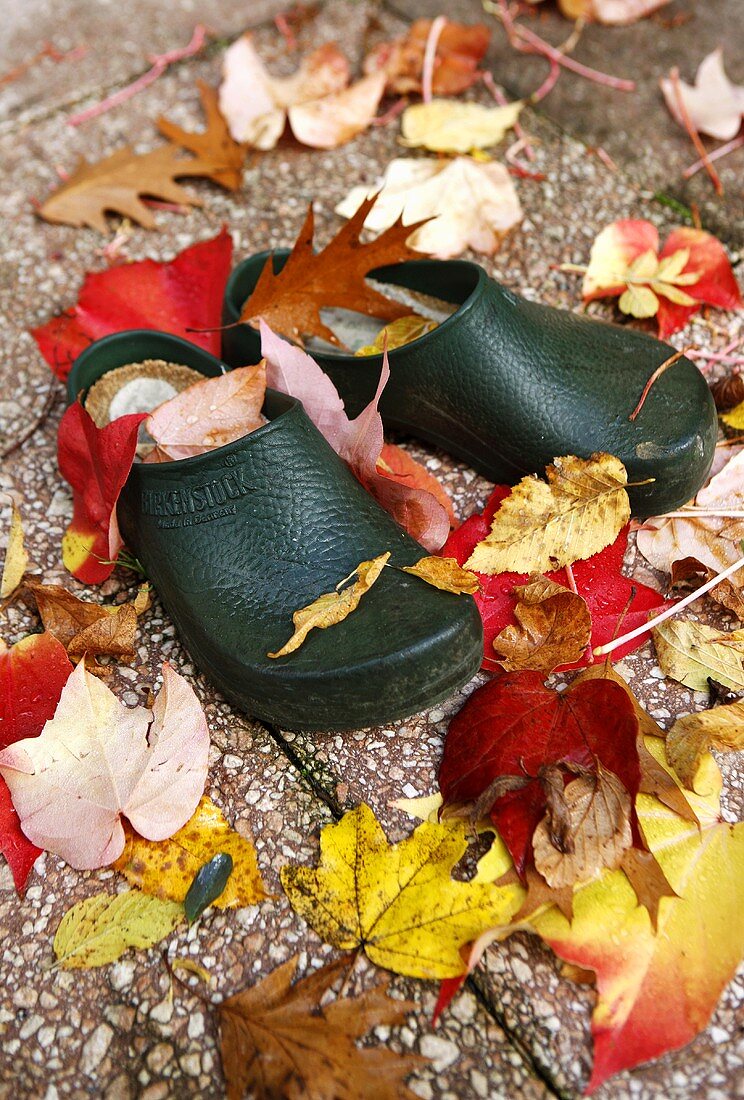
503	384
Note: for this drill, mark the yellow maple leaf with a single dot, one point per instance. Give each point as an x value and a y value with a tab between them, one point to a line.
99	929
398	902
543	525
16	558
166	868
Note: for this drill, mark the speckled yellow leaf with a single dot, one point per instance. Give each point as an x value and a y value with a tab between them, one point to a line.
76	548
735	418
451	126
690	652
165	869
690	738
543	525
16	558
398	902
398	333
99	929
332	607
445	573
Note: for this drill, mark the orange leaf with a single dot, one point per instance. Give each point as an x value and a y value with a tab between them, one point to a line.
400	466
221	156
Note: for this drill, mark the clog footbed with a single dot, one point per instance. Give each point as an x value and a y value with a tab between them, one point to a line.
507	385
238	539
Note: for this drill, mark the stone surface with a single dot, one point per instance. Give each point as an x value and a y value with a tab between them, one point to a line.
126	1031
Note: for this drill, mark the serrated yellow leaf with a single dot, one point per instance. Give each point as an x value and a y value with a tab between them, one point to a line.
644	266
690	652
398	902
99	929
446	574
690	738
451	126
671	267
639	301
673	293
16	558
542	526
398	333
166	868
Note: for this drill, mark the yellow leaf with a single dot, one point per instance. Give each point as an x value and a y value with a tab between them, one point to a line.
671	267
332	607
16	558
76	548
691	737
445	573
397	333
99	929
166	868
735	418
673	293
397	902
451	126
193	967
639	301
542	526
690	652
644	266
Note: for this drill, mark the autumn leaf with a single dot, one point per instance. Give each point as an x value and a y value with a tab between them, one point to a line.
460	49
97	761
181	296
691	652
116	183
463	203
400	466
553	628
332	121
398	903
504	747
95	462
333	607
685	966
208	414
221	156
444	573
90	628
691	269
543	525
282	1040
290	301
32	675
166	869
16	556
691	738
735	418
714	104
599	580
359	442
101	928
448	126
397	334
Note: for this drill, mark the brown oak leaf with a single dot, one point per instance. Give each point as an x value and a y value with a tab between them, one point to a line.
279	1041
222	156
290	301
553	627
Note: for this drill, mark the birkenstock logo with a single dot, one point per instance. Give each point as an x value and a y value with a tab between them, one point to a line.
206	501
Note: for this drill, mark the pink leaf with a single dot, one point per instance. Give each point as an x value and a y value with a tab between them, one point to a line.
332	121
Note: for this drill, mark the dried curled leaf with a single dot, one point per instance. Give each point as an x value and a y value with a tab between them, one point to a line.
450	126
598	831
460	49
100	929
221	156
284	1040
166	869
544	525
692	737
16	557
691	652
397	902
553	627
445	573
90	628
333	607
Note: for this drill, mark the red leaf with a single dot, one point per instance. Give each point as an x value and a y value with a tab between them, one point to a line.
514	725
717	285
32	675
173	297
96	462
598	579
405	469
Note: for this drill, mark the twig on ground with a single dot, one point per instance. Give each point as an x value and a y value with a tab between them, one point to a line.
716	154
655	377
692	132
502	101
430	56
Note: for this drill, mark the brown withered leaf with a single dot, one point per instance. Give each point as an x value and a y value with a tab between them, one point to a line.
647	879
553	627
691	737
539	894
333	607
90	628
598	830
290	302
221	155
445	573
116	183
278	1041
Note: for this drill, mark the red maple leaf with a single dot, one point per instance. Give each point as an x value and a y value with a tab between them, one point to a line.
32	675
598	579
183	294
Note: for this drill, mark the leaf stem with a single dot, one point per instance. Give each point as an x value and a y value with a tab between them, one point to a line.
721	151
655	377
430	56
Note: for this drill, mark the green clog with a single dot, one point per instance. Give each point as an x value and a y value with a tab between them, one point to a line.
507	385
238	539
